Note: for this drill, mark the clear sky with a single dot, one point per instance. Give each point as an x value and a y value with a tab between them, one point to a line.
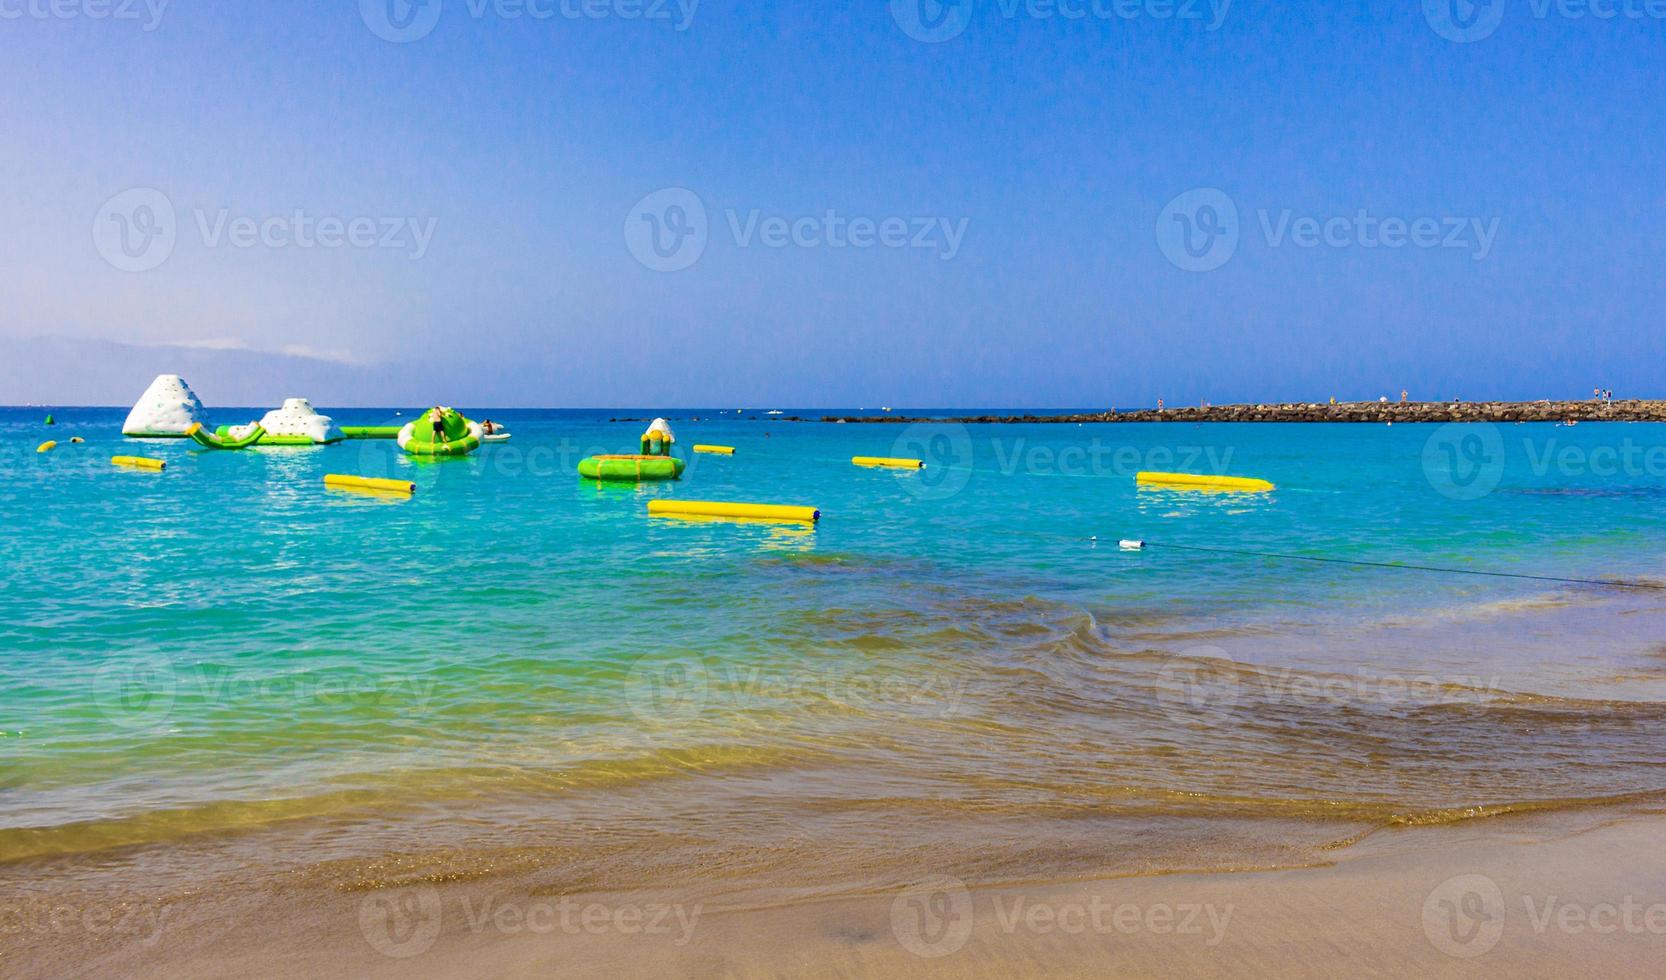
990	203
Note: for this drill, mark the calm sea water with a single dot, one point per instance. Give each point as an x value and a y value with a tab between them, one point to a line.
951	657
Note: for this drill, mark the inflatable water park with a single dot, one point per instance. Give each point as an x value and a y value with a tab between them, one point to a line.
169	409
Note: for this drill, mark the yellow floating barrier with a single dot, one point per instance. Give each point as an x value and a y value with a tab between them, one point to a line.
890	462
47	446
757	512
139	462
343	481
1193	481
716	450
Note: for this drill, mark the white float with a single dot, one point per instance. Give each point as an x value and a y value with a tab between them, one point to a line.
166	410
298	421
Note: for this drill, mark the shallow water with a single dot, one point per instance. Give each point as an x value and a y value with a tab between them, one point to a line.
519	669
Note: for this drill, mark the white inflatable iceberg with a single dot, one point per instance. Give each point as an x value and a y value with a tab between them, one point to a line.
167	409
297	423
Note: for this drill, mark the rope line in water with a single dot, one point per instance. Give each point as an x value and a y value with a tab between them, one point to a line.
1604	583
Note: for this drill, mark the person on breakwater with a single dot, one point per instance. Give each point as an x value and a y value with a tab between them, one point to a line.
1403	395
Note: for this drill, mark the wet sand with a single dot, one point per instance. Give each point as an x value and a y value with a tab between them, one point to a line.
1538	895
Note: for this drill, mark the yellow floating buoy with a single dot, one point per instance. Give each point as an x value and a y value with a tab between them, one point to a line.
707	508
1193	481
890	462
342	481
139	462
716	450
46	446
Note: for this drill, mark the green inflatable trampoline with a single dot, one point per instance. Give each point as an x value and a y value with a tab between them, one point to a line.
654	462
453	436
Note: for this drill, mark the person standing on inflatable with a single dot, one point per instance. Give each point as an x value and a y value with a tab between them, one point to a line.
658	439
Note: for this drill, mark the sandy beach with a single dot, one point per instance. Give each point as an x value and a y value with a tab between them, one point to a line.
1534	896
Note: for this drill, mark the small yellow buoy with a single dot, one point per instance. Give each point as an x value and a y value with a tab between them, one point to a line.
46	446
342	481
716	450
1193	481
890	462
139	462
707	508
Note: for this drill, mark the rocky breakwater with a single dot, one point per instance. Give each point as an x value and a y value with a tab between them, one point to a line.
1635	410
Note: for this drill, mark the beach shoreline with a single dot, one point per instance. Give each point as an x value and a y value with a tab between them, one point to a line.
1533	895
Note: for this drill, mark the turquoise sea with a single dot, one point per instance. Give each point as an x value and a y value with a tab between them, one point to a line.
958	661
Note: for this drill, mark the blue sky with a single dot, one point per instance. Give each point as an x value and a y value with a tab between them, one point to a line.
1022	179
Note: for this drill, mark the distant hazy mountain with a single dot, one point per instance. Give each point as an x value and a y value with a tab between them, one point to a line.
50	371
